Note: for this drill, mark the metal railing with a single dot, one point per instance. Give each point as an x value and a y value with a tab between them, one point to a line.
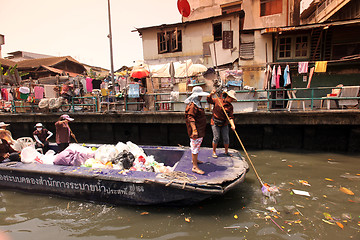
261	100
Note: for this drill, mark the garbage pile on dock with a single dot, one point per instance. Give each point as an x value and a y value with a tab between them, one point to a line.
121	156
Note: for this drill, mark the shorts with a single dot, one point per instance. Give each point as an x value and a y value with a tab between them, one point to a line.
195	145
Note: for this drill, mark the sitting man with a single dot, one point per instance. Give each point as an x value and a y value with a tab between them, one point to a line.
7	153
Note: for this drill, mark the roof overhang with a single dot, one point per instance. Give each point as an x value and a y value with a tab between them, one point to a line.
240	13
310	26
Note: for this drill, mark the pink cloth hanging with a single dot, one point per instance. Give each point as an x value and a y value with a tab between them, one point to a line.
303	67
89	86
310	76
39	92
278	74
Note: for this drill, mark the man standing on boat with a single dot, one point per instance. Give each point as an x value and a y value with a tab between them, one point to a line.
219	120
196	124
63	132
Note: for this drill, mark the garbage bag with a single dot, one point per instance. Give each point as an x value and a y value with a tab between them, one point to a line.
49	157
135	149
29	154
121	147
125	158
106	153
44	103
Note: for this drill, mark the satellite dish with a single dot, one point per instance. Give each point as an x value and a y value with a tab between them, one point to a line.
184	7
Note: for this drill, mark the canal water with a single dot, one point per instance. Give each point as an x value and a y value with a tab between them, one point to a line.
329	212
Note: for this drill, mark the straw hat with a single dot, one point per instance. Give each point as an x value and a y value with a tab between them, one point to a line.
2	124
231	94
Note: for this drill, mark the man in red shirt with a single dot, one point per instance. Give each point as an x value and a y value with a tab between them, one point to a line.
63	132
219	121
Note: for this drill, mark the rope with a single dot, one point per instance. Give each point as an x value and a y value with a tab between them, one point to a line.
179	176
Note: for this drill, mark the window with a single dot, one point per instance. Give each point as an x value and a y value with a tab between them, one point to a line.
301	46
270	7
217	31
169	41
293	47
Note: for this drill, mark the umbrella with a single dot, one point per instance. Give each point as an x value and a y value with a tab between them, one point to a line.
139	73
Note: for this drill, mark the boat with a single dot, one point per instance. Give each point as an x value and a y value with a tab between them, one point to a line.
112	186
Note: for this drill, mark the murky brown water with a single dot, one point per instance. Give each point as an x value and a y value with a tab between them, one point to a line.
240	214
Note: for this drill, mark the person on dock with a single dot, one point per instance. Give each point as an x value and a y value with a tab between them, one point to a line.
41	136
196	124
63	132
219	120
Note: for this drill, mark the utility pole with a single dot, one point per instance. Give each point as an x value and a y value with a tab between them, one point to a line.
111	51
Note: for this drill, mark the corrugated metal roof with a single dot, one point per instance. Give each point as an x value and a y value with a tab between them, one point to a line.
6	62
34	63
59	71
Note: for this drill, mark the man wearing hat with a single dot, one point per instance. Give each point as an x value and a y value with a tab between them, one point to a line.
7	153
6	134
41	136
219	120
63	132
195	124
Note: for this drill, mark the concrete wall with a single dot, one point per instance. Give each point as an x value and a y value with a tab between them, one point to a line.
317	131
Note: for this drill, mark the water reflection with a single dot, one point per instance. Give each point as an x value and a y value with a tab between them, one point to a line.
242	213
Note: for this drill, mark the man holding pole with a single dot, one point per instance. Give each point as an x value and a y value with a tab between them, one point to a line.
63	132
219	120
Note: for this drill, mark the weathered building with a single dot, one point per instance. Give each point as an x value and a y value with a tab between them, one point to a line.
250	35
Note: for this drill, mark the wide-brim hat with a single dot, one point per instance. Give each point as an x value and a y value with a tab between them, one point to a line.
39	125
67	117
231	94
2	124
198	92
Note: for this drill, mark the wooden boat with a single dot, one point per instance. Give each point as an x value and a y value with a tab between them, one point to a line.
181	187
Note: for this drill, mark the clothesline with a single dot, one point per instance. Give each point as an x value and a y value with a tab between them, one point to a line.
313	62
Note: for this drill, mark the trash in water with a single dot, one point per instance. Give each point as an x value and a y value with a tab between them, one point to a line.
347	191
272	209
306	183
329	179
300	192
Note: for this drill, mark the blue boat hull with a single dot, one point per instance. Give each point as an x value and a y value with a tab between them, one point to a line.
116	187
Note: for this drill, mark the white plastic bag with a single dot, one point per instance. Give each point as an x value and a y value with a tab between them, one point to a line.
135	150
106	153
121	147
49	157
29	154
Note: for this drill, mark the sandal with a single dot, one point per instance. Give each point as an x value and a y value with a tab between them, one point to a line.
214	155
228	154
198	171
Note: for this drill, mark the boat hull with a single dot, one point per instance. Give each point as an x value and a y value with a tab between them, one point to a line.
109	185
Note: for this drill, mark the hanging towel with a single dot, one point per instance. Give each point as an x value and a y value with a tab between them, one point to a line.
83	83
89	86
287	80
267	76
273	77
303	67
278	74
49	91
39	92
320	66
134	90
182	87
310	77
4	94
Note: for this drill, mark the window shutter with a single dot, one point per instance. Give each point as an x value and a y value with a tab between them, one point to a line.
247	46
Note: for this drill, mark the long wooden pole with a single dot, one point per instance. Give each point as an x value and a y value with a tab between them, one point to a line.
242	145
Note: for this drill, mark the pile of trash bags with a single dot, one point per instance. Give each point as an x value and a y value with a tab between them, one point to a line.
121	156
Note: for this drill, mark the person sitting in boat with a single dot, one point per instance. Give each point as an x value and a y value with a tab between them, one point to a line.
219	120
63	132
6	134
41	136
7	153
195	124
